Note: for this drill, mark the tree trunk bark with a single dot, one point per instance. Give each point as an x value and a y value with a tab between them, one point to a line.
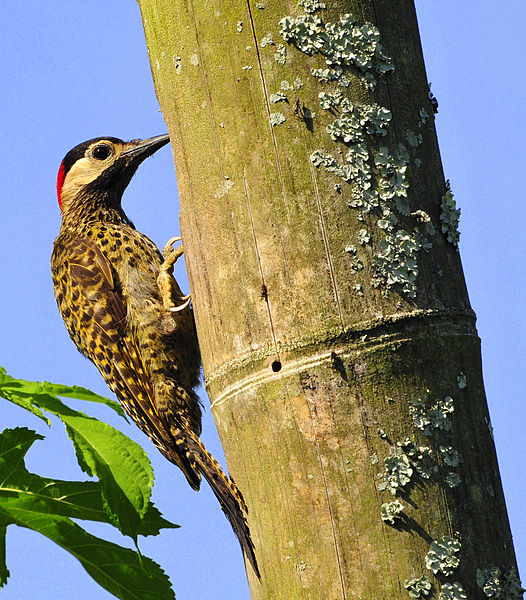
339	347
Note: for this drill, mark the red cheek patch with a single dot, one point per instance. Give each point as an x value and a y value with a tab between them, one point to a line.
60	183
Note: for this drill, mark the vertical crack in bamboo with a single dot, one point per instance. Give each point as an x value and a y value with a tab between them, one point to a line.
303	450
373	472
248	481
267	104
386	82
260	266
287	500
213	121
207	91
326	243
214	131
329	508
366	438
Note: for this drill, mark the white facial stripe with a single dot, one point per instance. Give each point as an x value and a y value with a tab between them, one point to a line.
87	169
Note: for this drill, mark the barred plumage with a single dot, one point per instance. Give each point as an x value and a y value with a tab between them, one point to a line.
114	292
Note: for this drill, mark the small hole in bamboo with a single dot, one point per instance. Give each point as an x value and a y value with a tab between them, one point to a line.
276	366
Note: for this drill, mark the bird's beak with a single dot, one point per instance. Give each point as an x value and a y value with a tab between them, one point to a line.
141	149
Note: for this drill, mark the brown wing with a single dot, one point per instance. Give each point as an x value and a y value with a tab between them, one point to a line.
94	312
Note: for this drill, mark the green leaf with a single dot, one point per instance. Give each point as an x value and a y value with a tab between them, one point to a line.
18	390
14	444
10	391
121	465
119	570
81	393
46	506
74	499
123	469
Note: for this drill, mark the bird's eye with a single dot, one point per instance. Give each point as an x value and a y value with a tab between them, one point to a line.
101	152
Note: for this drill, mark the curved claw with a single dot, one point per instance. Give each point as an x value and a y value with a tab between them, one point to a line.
168	247
167	285
187	299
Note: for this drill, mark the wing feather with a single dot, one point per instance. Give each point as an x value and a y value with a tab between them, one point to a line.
95	314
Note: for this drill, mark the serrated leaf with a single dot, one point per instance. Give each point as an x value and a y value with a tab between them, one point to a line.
74	499
11	393
14	444
153	522
121	465
124	470
80	393
119	570
25	393
45	505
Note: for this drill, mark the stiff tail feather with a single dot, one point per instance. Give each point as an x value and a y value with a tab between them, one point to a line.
225	490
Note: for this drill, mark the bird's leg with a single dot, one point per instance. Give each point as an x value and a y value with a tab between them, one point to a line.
165	280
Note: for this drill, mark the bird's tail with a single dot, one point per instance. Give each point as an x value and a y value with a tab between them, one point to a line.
224	488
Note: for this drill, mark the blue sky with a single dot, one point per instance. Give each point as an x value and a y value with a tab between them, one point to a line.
76	70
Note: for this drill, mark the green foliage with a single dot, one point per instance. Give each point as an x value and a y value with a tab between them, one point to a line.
120	497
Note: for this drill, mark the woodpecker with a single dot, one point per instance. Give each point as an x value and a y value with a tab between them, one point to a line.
125	312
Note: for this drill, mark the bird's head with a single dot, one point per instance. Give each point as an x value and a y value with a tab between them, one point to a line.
94	174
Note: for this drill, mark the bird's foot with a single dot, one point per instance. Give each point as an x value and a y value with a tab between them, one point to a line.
170	253
167	284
